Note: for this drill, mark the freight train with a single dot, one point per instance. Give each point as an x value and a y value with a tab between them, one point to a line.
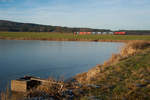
115	33
94	33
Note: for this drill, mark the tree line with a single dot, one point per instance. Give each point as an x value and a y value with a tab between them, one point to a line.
29	27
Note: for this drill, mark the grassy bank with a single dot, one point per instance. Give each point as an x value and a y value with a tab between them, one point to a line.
69	37
125	76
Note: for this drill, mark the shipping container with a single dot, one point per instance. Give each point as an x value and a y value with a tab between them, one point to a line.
99	33
111	32
119	33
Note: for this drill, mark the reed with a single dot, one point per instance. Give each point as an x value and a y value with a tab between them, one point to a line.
5	95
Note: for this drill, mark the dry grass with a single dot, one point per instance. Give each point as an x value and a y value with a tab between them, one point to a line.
134	47
114	59
5	95
59	91
129	49
126	76
51	89
86	77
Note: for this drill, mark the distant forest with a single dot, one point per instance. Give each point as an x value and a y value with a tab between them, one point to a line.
11	26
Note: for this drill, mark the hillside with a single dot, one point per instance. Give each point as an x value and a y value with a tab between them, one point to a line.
11	26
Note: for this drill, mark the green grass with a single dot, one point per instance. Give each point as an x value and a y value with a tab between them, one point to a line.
69	36
129	79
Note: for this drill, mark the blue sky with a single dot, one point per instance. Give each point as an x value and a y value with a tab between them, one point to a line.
102	14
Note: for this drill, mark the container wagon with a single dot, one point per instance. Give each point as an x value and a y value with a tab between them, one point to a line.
82	33
119	33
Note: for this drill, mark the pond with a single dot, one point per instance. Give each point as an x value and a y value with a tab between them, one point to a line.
58	59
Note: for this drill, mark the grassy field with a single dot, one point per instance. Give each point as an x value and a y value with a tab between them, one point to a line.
69	36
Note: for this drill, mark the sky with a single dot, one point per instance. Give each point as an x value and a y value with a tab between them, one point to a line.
101	14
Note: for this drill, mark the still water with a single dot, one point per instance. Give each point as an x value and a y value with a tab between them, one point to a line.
50	58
